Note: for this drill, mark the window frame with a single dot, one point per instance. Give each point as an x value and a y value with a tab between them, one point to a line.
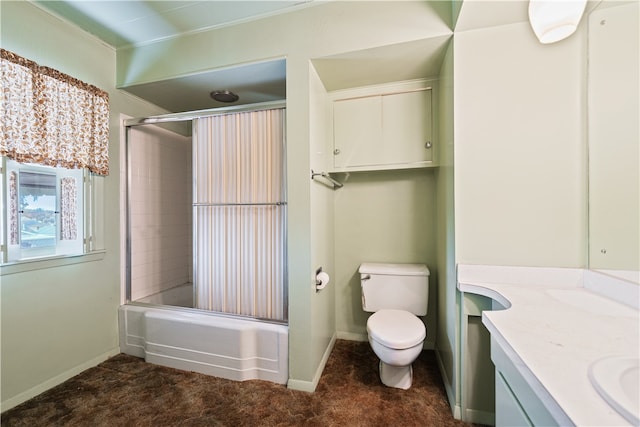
91	231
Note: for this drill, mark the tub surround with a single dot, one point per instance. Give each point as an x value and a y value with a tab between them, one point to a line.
550	325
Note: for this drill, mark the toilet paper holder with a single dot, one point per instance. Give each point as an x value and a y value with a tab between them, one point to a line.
322	279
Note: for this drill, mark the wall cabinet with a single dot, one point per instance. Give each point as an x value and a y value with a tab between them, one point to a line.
383	131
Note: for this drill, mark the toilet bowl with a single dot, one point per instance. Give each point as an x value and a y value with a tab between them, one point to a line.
396	337
396	294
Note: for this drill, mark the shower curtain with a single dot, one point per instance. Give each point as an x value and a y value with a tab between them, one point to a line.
240	214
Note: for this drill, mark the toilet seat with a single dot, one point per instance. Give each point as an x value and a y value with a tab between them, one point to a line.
396	329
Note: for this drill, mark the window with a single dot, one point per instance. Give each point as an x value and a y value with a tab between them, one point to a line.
54	139
37	202
45	211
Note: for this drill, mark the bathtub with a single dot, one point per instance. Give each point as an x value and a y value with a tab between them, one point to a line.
212	344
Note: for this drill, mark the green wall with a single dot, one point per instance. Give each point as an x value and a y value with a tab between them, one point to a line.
59	321
312	32
520	177
382	216
447	294
520	151
514	108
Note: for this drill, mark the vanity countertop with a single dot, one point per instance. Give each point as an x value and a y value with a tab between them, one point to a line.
557	322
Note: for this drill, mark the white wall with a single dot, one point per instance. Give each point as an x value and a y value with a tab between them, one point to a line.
161	217
520	152
59	321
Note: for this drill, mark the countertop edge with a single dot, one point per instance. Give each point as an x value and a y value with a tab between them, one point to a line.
549	402
499	289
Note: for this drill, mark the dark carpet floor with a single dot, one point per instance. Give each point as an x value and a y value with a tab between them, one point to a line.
126	391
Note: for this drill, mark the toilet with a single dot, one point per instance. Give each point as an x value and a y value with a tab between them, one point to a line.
396	294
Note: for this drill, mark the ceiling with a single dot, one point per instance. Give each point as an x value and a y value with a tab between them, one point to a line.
398	62
133	22
121	23
253	83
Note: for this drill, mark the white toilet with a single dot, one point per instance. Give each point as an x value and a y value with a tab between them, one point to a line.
395	294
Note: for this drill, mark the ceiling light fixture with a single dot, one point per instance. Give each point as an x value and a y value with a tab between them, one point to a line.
554	20
224	96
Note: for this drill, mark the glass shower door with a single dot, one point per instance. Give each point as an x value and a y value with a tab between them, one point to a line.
240	214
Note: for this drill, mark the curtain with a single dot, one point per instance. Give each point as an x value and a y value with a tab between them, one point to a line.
68	209
13	208
50	118
240	214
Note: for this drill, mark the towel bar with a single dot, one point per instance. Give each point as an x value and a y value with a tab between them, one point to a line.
334	184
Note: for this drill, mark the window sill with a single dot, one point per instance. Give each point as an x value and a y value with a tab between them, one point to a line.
49	262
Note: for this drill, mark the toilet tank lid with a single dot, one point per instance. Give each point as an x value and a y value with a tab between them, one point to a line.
393	269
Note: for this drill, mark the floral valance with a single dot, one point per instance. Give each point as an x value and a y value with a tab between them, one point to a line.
50	118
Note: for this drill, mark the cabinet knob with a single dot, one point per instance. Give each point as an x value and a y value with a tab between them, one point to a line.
428	144
336	151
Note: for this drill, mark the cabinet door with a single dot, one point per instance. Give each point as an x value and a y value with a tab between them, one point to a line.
508	409
406	127
357	128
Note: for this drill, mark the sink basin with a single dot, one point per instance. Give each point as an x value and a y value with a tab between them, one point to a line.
617	380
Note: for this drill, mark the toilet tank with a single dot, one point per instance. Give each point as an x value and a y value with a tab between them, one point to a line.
395	286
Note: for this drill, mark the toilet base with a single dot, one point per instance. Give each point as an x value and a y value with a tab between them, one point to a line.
396	376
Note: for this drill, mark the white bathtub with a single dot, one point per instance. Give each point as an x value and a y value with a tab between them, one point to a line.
228	347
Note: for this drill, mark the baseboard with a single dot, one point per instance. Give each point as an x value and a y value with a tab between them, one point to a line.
480	417
58	379
310	386
351	336
300	385
456	410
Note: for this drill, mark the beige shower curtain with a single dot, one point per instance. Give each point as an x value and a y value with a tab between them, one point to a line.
240	214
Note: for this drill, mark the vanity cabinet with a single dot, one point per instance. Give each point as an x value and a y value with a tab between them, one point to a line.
517	401
508	409
383	131
477	403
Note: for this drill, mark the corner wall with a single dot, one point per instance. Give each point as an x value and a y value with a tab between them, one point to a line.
323	302
447	305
